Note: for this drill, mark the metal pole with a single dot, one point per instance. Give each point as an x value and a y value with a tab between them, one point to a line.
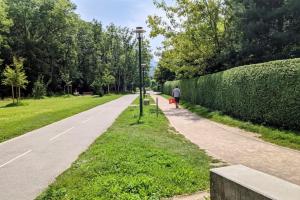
140	73
144	89
144	81
156	106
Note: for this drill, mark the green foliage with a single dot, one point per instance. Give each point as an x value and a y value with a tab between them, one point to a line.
20	76
194	32
17	120
163	74
97	86
270	29
10	77
15	77
68	51
135	160
207	36
39	88
286	138
5	23
108	80
265	93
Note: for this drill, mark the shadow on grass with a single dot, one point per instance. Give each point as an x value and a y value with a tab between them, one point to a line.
12	105
154	111
138	122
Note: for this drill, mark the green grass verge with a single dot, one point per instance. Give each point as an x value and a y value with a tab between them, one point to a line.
135	159
33	114
284	138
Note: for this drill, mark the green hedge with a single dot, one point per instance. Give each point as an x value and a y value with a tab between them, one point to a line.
265	93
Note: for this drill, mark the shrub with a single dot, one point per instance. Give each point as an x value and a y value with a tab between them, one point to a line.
264	93
39	89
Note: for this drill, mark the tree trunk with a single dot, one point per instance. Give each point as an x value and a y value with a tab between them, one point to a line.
108	88
124	84
13	93
19	94
119	82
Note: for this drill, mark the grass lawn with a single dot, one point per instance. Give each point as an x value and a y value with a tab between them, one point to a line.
135	159
285	138
34	114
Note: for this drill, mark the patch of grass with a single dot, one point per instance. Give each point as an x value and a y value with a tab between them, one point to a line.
32	114
284	138
137	158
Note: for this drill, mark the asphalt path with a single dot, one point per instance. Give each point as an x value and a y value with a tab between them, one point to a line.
29	163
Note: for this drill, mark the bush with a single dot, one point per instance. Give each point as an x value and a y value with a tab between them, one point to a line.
39	89
265	93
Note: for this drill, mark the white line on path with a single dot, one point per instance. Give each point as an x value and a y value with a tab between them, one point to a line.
85	121
61	134
12	160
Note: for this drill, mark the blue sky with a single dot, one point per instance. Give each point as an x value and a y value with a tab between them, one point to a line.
130	13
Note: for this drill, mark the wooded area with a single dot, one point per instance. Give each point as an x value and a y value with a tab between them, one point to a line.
63	53
207	36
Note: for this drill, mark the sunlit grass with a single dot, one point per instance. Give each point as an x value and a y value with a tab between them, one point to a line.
32	114
135	159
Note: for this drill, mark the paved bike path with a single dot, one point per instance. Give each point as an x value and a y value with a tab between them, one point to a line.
29	163
234	145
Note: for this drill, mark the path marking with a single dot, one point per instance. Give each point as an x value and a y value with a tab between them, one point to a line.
66	131
87	120
12	160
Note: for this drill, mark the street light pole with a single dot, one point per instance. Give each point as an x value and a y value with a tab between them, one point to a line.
140	74
144	70
139	31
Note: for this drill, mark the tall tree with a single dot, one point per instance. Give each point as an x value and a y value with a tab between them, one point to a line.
194	35
64	49
5	23
207	36
15	77
270	29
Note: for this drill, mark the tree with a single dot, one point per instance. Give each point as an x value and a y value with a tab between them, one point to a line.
108	80
194	32
66	79
21	78
10	80
97	85
270	29
15	77
5	22
39	89
162	74
53	39
208	36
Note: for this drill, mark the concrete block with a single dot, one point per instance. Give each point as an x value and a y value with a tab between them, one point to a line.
242	183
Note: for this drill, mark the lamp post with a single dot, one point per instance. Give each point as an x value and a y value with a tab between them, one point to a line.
144	70
139	32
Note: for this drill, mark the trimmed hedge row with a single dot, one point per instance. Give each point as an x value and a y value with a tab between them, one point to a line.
265	93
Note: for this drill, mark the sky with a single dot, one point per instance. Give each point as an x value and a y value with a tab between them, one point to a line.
130	13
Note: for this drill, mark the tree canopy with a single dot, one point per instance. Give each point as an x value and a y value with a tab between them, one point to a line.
15	77
206	36
64	49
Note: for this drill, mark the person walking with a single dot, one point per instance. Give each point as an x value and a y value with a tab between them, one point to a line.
176	93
